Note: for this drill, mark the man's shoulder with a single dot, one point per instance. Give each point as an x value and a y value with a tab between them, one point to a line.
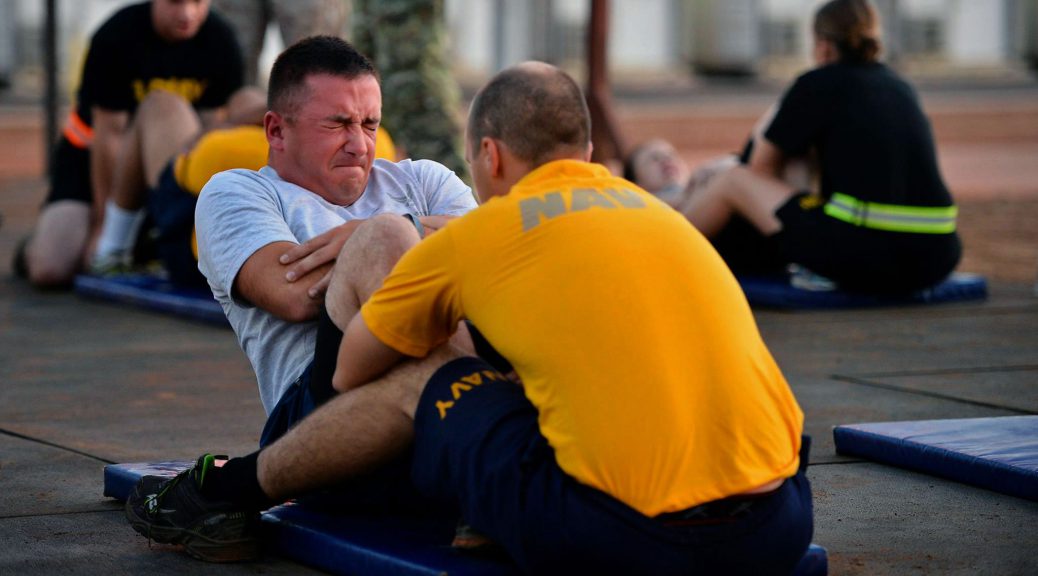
422	185
404	174
409	166
238	181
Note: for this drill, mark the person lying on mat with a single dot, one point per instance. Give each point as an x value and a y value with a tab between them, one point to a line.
145	59
268	238
656	166
881	219
170	205
616	448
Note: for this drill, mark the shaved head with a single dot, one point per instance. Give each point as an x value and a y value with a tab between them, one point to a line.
536	110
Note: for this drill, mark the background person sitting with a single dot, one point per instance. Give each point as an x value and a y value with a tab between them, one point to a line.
881	219
153	55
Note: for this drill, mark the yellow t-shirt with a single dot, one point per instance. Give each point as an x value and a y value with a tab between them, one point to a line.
239	147
631	336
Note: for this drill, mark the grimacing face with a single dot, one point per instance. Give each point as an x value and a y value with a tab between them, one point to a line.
328	139
178	20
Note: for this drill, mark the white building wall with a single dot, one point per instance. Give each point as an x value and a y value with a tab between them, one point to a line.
641	34
976	31
471	26
646	35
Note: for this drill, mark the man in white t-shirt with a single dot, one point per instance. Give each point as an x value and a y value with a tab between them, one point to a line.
269	240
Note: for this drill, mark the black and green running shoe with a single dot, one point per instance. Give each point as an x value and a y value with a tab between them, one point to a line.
174	511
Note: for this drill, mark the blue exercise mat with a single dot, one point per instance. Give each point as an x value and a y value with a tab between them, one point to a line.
1000	454
351	544
153	293
777	292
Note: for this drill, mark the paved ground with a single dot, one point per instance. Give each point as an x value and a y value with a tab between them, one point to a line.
83	384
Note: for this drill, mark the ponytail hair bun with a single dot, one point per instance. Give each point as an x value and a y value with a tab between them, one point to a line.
853	27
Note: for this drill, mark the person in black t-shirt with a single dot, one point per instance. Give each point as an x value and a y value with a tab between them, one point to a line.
881	218
143	64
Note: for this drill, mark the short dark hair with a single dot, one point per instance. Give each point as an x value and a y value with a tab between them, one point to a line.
538	112
309	56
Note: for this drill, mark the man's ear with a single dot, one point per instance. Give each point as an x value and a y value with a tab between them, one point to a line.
273	126
492	156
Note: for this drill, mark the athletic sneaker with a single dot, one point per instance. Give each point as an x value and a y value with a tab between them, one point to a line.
800	277
471	541
174	511
114	264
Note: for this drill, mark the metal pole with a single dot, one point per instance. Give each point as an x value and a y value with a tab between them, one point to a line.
605	130
500	44
50	104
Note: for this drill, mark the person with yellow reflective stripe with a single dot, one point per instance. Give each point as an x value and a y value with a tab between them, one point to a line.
147	61
881	218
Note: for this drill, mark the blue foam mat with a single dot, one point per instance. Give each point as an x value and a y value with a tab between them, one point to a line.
350	544
1000	453
777	292
153	293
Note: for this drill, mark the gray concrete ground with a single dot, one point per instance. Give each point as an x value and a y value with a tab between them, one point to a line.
83	384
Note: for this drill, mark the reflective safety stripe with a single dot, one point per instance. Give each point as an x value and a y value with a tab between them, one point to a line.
78	132
892	217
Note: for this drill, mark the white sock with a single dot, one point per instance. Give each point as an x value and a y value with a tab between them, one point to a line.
119	230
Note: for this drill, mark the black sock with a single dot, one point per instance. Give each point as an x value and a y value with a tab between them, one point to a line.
237	481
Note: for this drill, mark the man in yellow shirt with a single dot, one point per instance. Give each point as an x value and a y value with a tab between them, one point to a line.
640	424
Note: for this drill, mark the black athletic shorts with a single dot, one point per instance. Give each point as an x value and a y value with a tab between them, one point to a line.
855	257
171	214
859	258
70	174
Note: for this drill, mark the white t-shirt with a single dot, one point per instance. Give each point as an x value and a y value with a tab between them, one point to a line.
241	211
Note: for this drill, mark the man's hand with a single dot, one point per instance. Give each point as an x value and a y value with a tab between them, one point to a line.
434	223
316	252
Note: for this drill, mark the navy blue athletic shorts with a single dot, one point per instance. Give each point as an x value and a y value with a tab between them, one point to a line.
478	447
171	213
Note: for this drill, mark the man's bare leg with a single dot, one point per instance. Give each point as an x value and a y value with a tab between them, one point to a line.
164	125
364	261
737	191
353	434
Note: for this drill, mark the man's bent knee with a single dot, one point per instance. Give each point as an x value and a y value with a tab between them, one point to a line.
362	264
54	253
389	234
161	103
49	273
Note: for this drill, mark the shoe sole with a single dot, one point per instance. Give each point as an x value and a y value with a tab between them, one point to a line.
197	545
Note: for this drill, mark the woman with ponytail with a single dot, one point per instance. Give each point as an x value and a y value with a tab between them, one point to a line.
878	217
